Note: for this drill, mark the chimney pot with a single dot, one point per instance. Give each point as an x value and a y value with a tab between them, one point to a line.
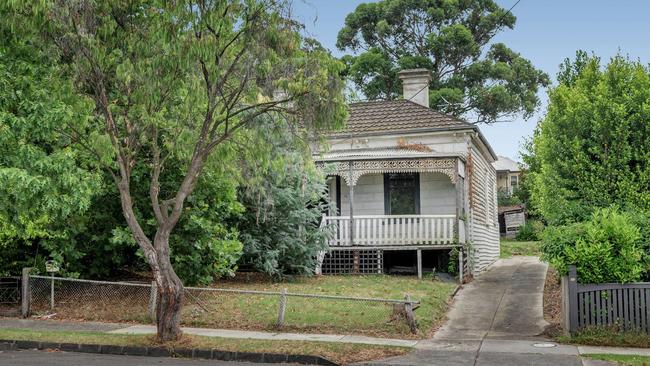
415	84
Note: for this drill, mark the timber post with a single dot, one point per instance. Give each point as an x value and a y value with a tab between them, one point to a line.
573	299
25	294
419	254
153	299
351	204
410	317
282	308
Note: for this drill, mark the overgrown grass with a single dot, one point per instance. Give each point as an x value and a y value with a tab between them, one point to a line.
342	353
512	247
260	312
625	360
607	336
326	315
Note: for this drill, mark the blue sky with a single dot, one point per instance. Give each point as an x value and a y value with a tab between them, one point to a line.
547	31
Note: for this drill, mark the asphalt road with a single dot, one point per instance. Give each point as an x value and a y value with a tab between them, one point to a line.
39	358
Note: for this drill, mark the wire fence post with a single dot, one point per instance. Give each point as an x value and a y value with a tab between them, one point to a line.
282	308
410	317
52	291
153	298
25	294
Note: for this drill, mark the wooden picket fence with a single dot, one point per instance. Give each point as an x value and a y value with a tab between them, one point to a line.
626	306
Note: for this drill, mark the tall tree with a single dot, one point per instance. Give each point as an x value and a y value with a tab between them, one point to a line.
173	81
592	149
471	77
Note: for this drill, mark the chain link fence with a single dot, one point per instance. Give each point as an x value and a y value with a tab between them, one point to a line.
81	299
224	308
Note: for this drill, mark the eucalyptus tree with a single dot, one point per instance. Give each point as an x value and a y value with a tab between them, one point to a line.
471	75
175	81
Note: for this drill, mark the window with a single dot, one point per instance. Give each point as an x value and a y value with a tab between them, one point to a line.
402	193
514	181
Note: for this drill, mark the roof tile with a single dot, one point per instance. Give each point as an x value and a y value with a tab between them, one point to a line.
395	116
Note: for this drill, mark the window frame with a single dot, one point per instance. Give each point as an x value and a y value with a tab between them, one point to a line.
416	193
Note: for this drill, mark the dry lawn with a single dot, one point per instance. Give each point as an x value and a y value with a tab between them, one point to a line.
230	310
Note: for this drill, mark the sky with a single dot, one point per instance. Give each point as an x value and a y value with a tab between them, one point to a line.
546	32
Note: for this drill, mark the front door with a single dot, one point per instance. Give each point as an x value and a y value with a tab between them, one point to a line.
402	193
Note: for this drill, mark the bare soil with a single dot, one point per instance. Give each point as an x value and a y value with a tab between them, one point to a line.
553	303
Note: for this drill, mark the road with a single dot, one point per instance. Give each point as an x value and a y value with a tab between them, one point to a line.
40	358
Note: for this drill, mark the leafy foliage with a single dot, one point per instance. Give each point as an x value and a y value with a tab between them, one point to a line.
284	237
470	76
284	198
45	184
530	231
592	149
505	198
606	248
160	96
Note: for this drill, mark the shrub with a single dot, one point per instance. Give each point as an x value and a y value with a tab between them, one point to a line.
606	248
530	231
281	232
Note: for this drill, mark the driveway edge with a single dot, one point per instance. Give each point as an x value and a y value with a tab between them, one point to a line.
194	353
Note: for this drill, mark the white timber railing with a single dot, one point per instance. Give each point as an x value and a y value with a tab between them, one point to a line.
392	230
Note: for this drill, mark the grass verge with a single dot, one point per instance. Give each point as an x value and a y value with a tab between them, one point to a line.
342	353
607	336
512	247
625	360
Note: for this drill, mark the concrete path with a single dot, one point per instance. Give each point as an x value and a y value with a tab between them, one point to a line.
244	334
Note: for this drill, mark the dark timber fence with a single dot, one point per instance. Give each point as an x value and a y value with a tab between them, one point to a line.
626	306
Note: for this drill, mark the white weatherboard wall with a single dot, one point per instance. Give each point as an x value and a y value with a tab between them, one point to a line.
484	225
437	195
368	196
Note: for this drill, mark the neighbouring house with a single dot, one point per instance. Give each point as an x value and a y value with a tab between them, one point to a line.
508	174
412	187
510	219
511	216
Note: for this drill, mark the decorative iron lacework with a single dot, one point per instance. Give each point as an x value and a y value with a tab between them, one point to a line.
359	168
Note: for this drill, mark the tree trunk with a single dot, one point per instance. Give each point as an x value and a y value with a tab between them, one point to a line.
170	297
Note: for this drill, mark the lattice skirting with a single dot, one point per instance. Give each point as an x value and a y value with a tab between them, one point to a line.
347	261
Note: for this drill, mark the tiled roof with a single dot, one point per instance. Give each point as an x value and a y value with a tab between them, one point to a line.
395	116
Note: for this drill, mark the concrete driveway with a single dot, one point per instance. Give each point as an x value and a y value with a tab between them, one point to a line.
505	302
496	320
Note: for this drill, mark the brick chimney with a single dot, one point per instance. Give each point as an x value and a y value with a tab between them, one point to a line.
415	83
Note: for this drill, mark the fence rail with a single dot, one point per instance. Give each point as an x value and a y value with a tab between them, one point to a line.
378	230
626	306
224	308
